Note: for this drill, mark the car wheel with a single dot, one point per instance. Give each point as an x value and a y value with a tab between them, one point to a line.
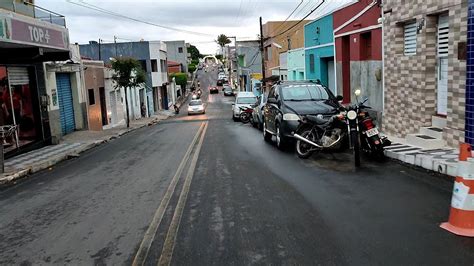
266	136
281	141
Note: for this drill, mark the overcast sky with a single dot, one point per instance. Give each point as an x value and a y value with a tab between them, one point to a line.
209	17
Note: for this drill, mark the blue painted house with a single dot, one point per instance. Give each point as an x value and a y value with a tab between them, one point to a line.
296	64
319	51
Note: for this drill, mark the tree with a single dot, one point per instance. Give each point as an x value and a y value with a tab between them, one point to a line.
195	54
180	79
222	40
128	73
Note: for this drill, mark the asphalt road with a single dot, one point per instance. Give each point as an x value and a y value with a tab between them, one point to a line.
204	190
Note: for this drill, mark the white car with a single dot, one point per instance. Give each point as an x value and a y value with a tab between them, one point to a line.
196	107
243	99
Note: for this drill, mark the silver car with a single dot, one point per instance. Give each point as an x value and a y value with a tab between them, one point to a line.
196	107
257	115
243	99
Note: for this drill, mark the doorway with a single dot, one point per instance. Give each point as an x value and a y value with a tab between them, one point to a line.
330	78
346	69
442	73
103	106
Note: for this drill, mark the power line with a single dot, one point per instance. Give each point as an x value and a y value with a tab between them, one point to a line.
102	10
292	12
240	9
296	24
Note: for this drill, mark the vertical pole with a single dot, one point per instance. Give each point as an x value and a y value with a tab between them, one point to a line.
262	56
115	44
2	159
100	56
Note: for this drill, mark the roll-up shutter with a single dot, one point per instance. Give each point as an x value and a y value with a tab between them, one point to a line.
66	107
18	76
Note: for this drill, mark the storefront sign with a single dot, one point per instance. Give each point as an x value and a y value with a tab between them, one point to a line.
25	32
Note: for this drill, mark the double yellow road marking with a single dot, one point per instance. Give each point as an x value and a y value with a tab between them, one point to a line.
168	246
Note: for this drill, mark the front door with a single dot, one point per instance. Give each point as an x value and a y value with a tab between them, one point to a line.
103	106
442	73
66	106
331	83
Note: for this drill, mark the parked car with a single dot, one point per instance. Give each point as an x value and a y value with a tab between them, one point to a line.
222	76
287	101
213	90
257	115
243	99
228	91
196	107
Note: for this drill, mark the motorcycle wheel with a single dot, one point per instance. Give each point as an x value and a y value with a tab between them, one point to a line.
356	147
244	118
303	149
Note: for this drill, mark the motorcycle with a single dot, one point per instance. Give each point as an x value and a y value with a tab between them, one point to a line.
314	134
363	133
245	114
176	109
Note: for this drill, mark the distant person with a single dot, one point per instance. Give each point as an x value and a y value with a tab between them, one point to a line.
143	108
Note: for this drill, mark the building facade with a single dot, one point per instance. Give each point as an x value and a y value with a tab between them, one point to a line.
178	51
65	87
319	51
279	40
250	61
152	56
358	46
27	40
425	66
296	64
469	135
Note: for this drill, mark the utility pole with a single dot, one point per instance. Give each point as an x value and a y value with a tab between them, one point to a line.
237	60
115	44
100	56
262	56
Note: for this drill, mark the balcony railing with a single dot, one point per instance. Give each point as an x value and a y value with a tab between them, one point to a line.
34	11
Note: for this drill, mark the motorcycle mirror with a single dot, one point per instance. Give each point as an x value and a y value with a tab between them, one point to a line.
357	92
339	98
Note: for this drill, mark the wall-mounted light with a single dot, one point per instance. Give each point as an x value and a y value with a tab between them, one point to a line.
420	25
318	30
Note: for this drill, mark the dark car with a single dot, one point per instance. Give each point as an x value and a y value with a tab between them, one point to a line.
213	90
228	91
288	100
257	115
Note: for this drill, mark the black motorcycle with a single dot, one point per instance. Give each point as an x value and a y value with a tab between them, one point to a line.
315	133
363	133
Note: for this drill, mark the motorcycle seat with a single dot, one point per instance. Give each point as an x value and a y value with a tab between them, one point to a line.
316	120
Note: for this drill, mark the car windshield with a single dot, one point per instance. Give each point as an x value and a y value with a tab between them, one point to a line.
246	100
303	92
194	103
227	88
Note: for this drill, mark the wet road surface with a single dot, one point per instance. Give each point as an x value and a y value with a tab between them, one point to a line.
204	190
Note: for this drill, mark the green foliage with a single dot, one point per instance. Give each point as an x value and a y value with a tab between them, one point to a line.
194	61
128	72
192	68
222	40
195	54
180	78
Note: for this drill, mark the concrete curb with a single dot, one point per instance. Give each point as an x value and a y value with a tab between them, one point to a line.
11	178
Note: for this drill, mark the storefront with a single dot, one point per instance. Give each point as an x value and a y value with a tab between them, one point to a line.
25	43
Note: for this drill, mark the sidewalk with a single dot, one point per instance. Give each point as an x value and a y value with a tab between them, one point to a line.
444	161
71	146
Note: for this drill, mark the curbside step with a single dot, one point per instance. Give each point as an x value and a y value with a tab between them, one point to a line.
424	141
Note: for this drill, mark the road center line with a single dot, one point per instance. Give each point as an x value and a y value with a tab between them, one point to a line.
168	246
149	236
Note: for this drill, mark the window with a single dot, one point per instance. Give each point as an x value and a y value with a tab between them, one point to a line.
180	50
311	63
143	64
91	97
154	65
164	67
410	38
443	36
246	100
304	93
268	53
366	46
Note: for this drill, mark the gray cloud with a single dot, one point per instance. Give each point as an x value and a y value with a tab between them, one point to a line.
212	17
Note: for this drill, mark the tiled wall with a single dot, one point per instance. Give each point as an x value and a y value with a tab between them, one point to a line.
470	76
411	81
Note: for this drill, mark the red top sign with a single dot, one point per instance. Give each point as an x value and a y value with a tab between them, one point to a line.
31	33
